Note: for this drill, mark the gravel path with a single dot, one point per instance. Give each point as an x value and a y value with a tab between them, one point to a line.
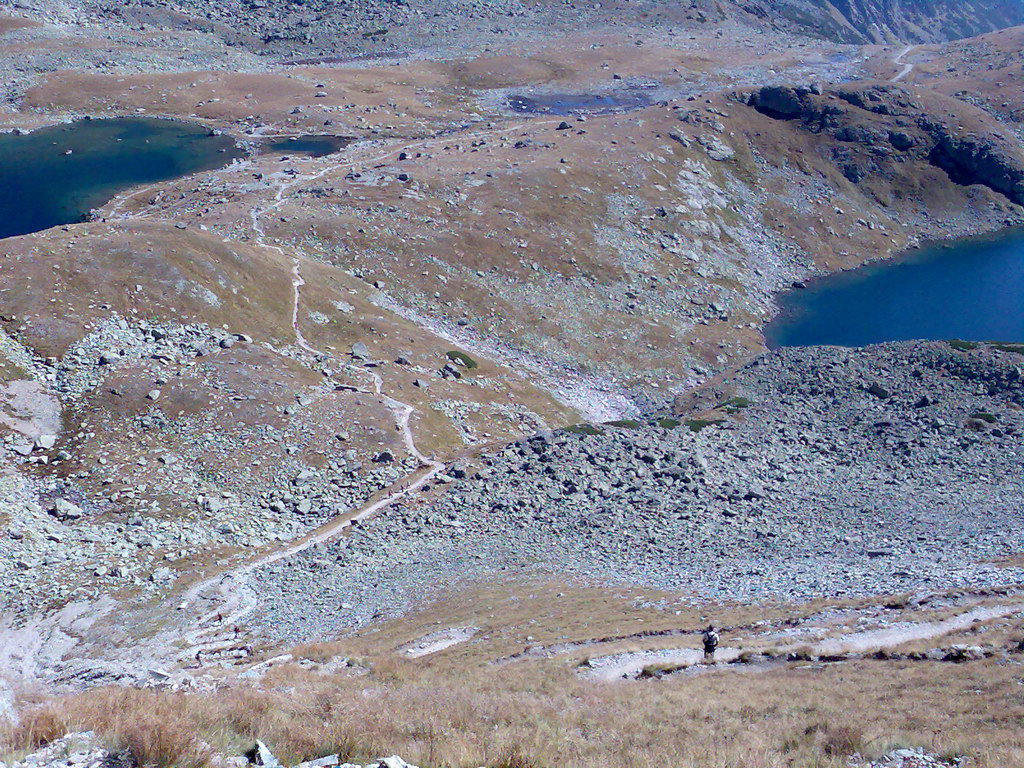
629	665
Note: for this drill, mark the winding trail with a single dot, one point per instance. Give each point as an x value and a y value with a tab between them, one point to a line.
234	596
229	597
898	60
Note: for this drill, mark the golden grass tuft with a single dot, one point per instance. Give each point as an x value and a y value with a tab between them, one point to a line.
153	741
155	729
513	758
843	740
37	727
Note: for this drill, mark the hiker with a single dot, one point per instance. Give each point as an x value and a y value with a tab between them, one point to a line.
710	644
237	630
199	657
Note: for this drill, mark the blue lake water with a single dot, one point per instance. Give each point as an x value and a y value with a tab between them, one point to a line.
57	175
970	289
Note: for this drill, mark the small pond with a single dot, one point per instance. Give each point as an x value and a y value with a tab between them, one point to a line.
311	146
969	289
579	103
57	175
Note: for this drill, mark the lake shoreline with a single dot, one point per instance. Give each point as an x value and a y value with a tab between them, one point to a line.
59	174
795	305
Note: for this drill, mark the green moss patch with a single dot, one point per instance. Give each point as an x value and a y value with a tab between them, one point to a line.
624	424
461	357
584	429
735	404
963	346
1018	348
696	425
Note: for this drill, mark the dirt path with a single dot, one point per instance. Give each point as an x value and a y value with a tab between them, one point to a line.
629	665
906	632
437	641
234	597
907	68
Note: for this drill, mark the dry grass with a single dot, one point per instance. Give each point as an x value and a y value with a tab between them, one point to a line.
457	709
843	740
38	727
524	613
515	759
320	653
155	729
537	715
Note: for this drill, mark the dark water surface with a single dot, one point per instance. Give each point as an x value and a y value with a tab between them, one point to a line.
42	186
970	289
576	103
312	146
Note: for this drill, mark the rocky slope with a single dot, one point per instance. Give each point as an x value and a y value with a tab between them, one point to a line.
166	391
328	27
537	240
171	401
886	21
133	447
813	472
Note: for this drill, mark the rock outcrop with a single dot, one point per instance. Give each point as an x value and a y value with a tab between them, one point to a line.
879	127
276	26
87	750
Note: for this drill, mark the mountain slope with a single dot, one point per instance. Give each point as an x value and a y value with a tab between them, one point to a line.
880	21
318	27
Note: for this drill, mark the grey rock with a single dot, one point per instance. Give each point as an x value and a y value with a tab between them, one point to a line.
730	513
261	755
879	391
66	510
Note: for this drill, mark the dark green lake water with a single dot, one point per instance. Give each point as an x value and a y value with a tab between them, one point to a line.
970	289
42	186
312	146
